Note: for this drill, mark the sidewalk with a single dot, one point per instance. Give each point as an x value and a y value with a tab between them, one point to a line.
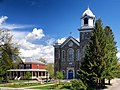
114	84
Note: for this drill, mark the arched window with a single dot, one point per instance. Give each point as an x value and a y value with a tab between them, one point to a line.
63	72
86	21
70	54
63	55
70	71
78	54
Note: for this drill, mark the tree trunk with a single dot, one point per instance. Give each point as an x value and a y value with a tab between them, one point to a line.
103	82
96	84
109	81
99	83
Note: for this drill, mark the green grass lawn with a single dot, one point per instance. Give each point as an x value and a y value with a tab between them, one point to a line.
63	86
52	87
48	83
21	85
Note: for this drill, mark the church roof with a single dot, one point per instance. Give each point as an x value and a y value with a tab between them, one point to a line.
88	12
68	39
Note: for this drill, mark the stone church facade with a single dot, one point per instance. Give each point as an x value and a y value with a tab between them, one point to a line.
69	54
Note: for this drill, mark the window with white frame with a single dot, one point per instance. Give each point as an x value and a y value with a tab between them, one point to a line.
70	54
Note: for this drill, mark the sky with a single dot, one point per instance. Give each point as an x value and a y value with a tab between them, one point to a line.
38	24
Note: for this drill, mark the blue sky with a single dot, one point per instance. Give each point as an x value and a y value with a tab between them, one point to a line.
57	18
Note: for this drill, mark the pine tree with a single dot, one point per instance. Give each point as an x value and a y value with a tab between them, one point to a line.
92	70
111	58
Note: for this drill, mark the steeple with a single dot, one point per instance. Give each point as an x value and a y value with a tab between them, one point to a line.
87	19
87	25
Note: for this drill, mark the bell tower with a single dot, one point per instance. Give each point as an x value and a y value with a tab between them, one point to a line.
87	25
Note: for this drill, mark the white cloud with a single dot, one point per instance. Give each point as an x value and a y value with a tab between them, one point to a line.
35	51
50	41
19	34
24	40
4	25
3	19
24	44
14	26
118	54
61	40
35	34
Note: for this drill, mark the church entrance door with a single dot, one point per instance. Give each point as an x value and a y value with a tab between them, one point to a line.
70	74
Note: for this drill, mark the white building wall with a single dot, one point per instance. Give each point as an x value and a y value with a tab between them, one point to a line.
82	22
90	22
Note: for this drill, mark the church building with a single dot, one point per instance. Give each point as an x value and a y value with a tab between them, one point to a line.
69	54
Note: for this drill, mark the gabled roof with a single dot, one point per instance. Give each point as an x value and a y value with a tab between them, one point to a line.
68	39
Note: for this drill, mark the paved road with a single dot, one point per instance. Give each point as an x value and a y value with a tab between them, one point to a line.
115	85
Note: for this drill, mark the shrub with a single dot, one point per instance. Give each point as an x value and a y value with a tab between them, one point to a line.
78	85
59	75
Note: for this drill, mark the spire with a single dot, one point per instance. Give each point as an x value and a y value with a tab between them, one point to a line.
88	12
88	7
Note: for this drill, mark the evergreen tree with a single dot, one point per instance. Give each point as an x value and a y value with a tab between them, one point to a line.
92	70
111	58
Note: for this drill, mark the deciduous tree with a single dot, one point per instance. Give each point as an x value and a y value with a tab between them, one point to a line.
59	75
28	76
8	52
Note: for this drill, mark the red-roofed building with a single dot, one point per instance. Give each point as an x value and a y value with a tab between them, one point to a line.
35	67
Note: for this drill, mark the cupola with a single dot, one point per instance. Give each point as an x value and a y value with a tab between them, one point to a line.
87	19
